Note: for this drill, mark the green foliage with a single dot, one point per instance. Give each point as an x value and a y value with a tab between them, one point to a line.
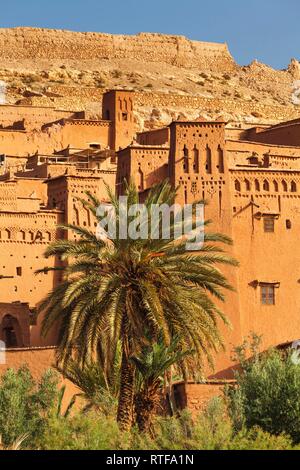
212	430
257	439
90	431
25	403
60	398
267	394
97	391
155	358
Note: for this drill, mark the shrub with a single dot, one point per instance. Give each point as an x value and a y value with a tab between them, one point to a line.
25	403
90	431
267	395
257	439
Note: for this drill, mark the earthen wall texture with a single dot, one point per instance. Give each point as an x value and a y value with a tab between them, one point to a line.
33	43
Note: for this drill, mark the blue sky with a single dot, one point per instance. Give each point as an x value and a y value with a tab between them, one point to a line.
266	30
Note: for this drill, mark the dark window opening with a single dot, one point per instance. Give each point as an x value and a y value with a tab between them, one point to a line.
237	185
208	165
125	116
269	224
19	271
288	224
10	337
267	294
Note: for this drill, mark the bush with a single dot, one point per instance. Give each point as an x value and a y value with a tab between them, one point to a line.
212	430
90	431
267	395
257	439
25	403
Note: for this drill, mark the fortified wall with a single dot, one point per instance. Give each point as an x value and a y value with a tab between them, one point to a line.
35	43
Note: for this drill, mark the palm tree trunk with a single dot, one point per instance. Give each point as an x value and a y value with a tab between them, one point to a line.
126	395
146	406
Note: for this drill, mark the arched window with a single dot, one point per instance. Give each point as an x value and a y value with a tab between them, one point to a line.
293	187
284	186
275	184
6	234
196	159
257	185
11	332
185	159
220	160
247	185
266	186
208	160
237	185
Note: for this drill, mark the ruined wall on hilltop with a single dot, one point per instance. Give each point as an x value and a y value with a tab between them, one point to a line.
35	43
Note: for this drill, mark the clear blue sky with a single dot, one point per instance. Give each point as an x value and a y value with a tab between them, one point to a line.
267	30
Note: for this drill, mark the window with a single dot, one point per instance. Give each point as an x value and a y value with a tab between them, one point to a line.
221	160
267	294
248	185
208	165
269	224
19	271
288	224
185	159
284	186
125	116
237	185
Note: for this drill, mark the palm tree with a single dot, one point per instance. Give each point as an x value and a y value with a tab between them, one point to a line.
98	390
115	289
151	364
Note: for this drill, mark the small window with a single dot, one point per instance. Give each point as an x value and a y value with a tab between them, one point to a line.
267	294
19	271
288	224
125	116
269	224
237	185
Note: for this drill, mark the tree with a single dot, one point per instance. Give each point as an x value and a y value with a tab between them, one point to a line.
117	288
267	393
151	364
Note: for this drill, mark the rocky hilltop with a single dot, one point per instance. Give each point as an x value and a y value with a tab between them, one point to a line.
32	43
174	76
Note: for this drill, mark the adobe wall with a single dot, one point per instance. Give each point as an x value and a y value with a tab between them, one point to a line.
35	43
77	133
23	240
34	116
154	137
144	166
275	256
196	396
285	134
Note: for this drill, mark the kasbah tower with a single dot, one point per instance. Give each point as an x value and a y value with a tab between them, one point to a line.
250	177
